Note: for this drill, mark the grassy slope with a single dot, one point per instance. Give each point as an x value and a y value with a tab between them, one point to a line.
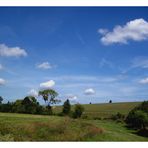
23	127
105	110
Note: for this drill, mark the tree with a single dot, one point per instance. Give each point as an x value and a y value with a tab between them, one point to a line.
49	96
66	107
78	111
1	99
30	104
49	93
110	101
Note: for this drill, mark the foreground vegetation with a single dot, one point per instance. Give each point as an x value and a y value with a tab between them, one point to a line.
25	127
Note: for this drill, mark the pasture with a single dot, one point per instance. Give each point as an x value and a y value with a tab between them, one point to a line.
27	127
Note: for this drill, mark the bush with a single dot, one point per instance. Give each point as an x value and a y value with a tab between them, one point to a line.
78	111
118	116
66	107
138	117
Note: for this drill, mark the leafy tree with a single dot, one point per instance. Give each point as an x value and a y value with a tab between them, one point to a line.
66	107
30	104
49	95
1	99
18	107
78	111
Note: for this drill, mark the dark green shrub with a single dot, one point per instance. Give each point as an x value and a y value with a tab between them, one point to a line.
118	116
78	111
138	117
66	107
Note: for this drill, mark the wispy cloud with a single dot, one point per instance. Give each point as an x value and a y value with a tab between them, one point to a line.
45	65
80	38
105	63
6	51
2	81
136	30
144	81
140	62
1	67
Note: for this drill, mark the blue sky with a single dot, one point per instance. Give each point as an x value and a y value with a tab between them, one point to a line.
87	54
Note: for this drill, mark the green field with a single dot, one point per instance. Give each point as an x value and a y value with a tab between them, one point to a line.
104	110
25	127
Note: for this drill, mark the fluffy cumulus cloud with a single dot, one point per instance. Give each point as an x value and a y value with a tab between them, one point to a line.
44	65
144	81
47	85
89	91
136	30
33	92
6	51
2	81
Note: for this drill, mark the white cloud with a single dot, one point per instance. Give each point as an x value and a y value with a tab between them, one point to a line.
2	81
144	81
89	91
33	92
47	85
102	31
71	97
11	51
136	30
44	65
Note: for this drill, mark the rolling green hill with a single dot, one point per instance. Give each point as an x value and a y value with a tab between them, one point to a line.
27	127
104	110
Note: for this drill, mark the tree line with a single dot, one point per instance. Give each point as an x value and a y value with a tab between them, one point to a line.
30	105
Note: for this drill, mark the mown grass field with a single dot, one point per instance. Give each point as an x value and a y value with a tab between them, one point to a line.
104	110
25	127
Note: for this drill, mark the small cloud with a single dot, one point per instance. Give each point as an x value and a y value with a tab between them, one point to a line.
102	31
136	30
71	97
144	81
33	92
2	81
47	85
89	91
6	51
45	65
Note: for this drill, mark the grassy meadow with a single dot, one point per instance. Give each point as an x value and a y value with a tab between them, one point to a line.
104	110
26	127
